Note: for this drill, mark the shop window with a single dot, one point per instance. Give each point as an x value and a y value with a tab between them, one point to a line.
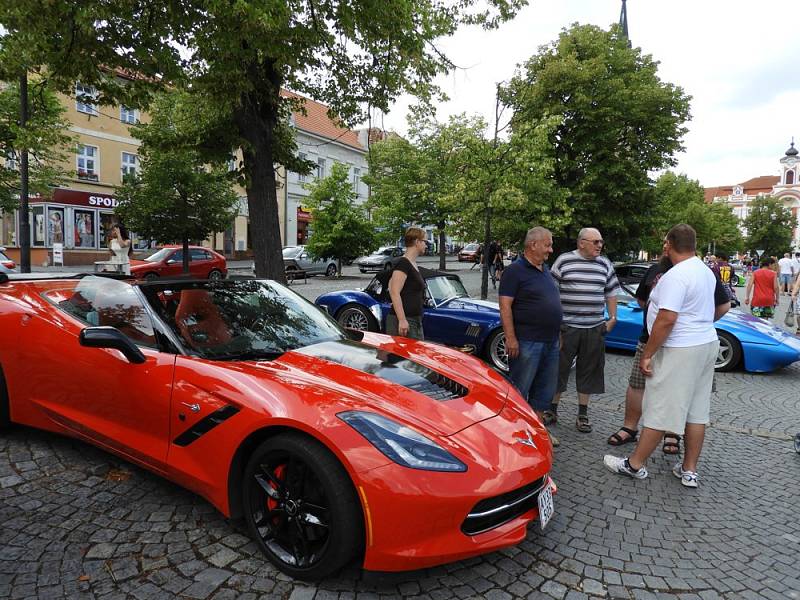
130	166
8	229
83	228
128	115
87	162
55	226
85	99
38	225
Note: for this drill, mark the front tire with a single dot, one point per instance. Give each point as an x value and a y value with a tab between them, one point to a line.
355	316
151	277
331	270
301	507
730	352
216	275
495	351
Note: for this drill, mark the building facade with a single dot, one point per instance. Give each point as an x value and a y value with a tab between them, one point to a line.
784	186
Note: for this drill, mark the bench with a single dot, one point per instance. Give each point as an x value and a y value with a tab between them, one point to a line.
295	274
101	266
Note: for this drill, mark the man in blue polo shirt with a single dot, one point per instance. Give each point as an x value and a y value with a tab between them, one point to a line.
530	309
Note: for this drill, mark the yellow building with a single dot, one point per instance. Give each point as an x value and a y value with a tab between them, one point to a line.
80	213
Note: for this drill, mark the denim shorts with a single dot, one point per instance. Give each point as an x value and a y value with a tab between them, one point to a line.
535	372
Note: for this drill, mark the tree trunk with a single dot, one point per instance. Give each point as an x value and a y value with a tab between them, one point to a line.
442	247
185	255
24	217
257	123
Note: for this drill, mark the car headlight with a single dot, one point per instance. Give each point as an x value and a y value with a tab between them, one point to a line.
401	444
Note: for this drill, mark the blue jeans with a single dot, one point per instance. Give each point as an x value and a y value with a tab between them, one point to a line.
535	372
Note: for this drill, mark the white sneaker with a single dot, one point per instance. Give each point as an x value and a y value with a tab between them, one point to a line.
619	465
688	478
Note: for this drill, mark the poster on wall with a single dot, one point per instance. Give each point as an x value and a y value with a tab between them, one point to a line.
38	225
84	229
55	225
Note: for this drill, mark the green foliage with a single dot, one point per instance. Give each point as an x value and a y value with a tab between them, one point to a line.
183	192
45	138
340	227
769	226
238	55
681	200
615	122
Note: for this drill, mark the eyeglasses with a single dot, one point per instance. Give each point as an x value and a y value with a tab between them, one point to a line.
595	242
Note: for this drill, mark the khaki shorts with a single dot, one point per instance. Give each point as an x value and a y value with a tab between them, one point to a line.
679	391
637	379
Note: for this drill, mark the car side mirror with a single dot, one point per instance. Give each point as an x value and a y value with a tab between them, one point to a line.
172	261
110	337
429	303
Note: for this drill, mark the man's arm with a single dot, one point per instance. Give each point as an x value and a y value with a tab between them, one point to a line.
662	327
720	310
507	319
777	290
611	304
749	289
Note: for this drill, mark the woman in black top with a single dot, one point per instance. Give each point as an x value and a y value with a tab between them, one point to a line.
407	289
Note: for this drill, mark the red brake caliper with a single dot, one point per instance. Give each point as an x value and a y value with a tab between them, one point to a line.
278	473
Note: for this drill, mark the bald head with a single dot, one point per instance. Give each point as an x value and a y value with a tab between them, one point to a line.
590	242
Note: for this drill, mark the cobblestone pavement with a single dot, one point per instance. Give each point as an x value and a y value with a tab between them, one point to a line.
76	522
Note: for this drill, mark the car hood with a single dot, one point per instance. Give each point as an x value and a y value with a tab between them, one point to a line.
400	378
770	334
140	263
373	257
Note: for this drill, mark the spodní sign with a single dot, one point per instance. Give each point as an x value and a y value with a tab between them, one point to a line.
78	198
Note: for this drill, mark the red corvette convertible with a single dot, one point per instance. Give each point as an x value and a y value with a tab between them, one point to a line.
333	445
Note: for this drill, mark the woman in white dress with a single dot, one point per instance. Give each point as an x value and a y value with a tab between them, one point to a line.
120	246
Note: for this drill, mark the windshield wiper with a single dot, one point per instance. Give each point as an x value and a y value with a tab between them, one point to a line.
249	355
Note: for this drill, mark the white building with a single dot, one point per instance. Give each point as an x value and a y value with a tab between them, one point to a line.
784	186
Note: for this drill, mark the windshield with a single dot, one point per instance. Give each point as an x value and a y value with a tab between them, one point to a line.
471	247
247	319
445	288
292	251
160	255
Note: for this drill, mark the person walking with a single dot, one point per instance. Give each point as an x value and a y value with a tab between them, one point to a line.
785	273
587	285
763	292
407	289
495	259
796	301
678	360
636	380
796	267
530	310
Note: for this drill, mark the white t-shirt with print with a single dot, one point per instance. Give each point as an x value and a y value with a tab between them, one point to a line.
785	265
687	289
795	266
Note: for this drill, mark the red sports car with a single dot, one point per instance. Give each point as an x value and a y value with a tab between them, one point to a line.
333	445
204	263
470	253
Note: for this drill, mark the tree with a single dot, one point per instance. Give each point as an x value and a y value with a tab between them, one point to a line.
769	226
682	200
44	137
616	121
239	56
341	228
178	196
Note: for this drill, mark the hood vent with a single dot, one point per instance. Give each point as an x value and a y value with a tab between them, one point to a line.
388	366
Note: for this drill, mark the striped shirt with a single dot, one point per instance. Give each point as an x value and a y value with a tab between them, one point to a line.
584	285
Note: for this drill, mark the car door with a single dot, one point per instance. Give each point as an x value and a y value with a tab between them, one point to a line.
200	263
629	323
96	392
173	264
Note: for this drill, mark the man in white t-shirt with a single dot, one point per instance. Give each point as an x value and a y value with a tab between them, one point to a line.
678	359
785	272
796	266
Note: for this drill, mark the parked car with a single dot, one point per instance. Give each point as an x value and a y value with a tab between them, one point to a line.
379	260
5	269
745	341
5	261
632	272
451	317
248	395
296	259
204	263
470	253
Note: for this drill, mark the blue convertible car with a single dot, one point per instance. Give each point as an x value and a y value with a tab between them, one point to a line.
451	317
454	319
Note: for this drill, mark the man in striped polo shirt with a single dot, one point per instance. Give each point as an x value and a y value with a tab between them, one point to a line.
587	285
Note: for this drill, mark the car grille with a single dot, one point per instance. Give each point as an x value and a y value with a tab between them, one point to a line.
473	330
493	512
439	387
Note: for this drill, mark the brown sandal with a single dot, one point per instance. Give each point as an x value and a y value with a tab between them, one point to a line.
672	444
582	424
617	440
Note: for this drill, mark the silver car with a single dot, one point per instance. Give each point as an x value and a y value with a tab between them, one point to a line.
381	259
296	260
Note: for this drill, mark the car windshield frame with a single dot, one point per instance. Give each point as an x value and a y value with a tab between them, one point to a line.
159	255
455	285
251	319
296	251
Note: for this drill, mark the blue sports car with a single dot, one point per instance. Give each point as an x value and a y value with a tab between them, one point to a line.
744	340
454	319
451	317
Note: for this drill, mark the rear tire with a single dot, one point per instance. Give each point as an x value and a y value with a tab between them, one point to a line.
301	507
151	277
730	352
5	405
331	270
495	351
216	275
355	316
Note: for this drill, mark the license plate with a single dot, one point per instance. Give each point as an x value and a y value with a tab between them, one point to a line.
546	509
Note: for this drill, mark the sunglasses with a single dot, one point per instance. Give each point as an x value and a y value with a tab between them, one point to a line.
595	242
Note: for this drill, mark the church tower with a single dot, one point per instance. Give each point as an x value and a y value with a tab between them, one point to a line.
623	22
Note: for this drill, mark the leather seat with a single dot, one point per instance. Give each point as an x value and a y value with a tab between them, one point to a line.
199	320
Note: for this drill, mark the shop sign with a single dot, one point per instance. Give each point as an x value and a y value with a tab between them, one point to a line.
78	198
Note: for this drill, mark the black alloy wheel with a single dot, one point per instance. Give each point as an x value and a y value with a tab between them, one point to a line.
301	507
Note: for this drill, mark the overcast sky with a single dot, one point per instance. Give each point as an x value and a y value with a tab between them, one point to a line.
736	59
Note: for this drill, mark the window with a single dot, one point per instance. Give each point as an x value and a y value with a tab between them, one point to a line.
11	160
87	162
85	99
301	178
320	168
356	179
130	164
789	177
196	254
128	115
